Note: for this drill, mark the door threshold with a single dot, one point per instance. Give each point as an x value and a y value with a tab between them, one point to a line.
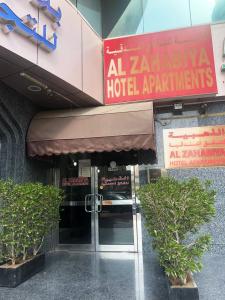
72	247
87	248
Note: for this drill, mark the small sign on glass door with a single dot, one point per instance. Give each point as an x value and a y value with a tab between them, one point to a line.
85	168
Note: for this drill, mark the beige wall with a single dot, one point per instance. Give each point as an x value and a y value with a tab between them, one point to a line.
78	57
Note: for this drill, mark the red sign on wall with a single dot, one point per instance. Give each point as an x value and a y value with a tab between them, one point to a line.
160	65
194	147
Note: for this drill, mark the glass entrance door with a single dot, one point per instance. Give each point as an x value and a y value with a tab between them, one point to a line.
76	226
100	210
117	219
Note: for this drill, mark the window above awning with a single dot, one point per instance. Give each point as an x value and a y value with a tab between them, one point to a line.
121	127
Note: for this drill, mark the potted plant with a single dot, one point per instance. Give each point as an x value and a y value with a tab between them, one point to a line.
27	213
174	211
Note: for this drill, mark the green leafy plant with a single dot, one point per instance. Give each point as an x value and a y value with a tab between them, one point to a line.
27	214
173	211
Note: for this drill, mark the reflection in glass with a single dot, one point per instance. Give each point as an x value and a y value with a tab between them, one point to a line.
74	2
115	221
122	17
165	14
75	225
218	13
91	10
116	225
75	222
201	11
115	185
127	17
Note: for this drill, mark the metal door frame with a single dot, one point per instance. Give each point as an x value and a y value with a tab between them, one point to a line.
136	247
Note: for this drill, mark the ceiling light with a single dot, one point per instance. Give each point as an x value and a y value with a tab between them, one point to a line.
177	108
34	80
34	88
39	85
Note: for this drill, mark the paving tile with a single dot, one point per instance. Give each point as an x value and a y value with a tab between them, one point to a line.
96	276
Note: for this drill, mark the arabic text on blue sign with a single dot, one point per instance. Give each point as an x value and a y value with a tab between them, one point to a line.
26	25
55	15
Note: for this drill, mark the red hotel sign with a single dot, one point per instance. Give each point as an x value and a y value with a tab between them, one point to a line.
160	65
194	147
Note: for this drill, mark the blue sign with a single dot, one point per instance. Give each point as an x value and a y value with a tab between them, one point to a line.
55	15
26	25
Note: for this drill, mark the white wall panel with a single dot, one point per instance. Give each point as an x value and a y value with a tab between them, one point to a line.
64	62
92	63
218	37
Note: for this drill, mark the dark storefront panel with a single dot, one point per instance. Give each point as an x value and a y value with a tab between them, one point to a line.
75	225
116	225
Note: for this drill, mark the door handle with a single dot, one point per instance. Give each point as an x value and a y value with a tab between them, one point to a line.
100	199
98	202
88	197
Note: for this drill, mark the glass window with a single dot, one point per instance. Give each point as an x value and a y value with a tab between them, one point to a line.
122	17
165	14
91	10
204	11
74	2
218	13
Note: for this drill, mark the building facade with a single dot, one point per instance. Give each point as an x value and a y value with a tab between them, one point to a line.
117	134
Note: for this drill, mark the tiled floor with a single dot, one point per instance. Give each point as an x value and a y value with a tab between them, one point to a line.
106	276
211	280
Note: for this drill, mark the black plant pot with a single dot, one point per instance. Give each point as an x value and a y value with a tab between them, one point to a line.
182	292
12	277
